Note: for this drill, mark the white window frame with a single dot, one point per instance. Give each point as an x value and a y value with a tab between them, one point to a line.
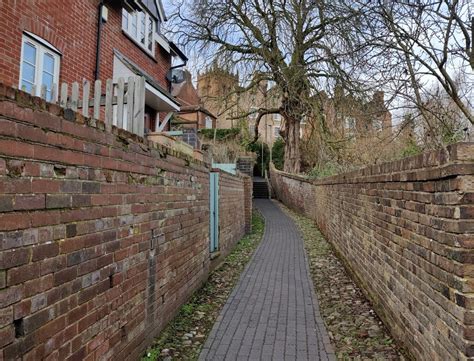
253	116
252	129
42	48
208	122
136	37
349	123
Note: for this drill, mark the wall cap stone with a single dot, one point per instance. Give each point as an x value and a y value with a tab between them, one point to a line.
454	160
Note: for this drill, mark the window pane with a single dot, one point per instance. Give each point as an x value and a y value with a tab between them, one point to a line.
26	86
28	72
134	24
124	19
142	27
150	33
47	80
29	53
48	63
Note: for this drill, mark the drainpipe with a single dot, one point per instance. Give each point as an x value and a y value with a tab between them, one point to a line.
99	38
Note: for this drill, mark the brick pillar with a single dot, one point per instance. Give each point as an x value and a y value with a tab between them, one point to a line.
248	189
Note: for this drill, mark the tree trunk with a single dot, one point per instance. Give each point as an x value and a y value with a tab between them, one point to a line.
292	145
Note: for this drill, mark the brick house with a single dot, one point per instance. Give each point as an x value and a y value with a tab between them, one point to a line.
193	115
46	42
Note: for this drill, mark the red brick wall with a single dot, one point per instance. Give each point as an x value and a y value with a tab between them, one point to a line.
72	28
234	208
406	231
102	235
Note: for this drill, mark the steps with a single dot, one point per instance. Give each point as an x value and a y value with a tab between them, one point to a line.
260	189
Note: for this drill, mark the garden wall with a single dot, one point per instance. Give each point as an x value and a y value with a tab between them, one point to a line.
102	235
405	230
235	198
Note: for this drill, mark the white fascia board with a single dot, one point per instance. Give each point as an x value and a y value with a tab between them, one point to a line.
162	96
160	39
161	10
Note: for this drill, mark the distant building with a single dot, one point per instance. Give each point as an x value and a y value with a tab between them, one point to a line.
346	116
193	115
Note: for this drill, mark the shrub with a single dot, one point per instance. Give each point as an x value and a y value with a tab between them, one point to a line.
221	134
412	148
278	153
325	170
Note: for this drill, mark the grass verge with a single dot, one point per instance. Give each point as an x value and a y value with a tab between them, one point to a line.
353	327
185	335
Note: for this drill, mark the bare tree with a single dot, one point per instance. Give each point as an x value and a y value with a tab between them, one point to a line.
432	42
296	44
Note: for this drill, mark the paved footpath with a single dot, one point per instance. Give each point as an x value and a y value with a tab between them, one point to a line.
272	313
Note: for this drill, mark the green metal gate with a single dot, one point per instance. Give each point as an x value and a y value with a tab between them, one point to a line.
214	211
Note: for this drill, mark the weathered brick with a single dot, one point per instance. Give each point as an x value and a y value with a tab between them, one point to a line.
14	258
64	276
405	226
22	309
6	203
90	187
71	186
71	230
43	251
7	335
14	221
38	319
82	261
10	295
23	273
29	202
81	200
6	316
58	201
3	279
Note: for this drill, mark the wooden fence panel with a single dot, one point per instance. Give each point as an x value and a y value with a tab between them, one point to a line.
120	92
128	97
64	91
86	88
97	95
109	110
75	96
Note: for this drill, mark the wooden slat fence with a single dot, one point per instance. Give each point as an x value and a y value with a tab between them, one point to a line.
128	98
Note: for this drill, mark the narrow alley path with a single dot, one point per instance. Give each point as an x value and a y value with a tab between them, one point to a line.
272	314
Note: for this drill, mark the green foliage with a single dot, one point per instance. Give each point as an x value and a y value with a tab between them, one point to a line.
221	134
257	148
411	149
278	153
325	170
452	136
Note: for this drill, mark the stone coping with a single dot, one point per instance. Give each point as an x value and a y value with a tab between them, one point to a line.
456	159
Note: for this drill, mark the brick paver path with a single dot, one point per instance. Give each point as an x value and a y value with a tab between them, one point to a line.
272	314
